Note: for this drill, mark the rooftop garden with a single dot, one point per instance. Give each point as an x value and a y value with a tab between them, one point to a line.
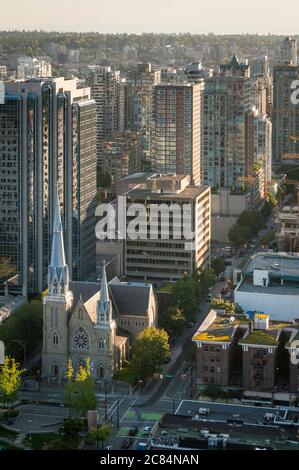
261	337
221	336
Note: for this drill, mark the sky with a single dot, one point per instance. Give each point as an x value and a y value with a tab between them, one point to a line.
158	16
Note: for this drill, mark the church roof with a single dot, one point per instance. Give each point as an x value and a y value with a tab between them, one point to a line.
86	290
131	299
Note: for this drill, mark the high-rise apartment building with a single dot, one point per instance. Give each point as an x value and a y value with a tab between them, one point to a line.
176	143
285	115
167	254
288	51
226	100
47	144
105	89
138	88
122	155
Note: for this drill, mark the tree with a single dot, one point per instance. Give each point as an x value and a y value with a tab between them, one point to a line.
10	381
81	392
207	279
213	391
7	269
69	385
222	304
186	296
100	434
173	321
218	265
150	350
24	325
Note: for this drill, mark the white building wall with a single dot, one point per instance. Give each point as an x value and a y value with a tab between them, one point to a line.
279	307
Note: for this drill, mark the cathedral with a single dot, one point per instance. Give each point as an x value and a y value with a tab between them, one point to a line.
89	320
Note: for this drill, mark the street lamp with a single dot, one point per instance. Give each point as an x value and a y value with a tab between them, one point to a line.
117	413
105	401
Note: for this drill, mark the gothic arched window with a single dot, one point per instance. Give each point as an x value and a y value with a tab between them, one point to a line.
55	339
81	339
102	343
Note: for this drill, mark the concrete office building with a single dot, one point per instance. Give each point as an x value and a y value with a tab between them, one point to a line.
166	256
47	142
176	142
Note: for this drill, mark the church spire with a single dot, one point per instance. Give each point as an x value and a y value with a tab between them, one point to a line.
104	304
58	273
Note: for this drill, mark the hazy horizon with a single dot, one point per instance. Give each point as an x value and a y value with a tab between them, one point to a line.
137	17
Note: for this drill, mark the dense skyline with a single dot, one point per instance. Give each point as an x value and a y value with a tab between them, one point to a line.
135	16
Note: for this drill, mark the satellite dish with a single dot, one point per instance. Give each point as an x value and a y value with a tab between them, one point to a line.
231	320
1	352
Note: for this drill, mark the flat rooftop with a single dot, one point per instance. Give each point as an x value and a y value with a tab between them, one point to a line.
288	288
280	265
189	192
220	330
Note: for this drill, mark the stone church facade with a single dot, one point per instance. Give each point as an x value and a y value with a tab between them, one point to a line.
86	320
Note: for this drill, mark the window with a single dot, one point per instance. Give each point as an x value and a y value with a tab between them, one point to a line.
80	314
101	343
81	339
55	339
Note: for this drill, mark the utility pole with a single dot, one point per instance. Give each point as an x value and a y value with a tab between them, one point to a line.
106	403
117	413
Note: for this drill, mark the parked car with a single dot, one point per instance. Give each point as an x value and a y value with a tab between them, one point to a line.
146	431
209	298
108	447
228	295
167	360
127	443
133	431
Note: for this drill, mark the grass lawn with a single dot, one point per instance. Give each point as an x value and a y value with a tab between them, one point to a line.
129	414
127	375
37	440
8	446
151	416
6	433
123	432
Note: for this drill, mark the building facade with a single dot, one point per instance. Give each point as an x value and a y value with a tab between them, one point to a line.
82	320
176	142
105	90
47	141
285	116
138	100
122	155
167	254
